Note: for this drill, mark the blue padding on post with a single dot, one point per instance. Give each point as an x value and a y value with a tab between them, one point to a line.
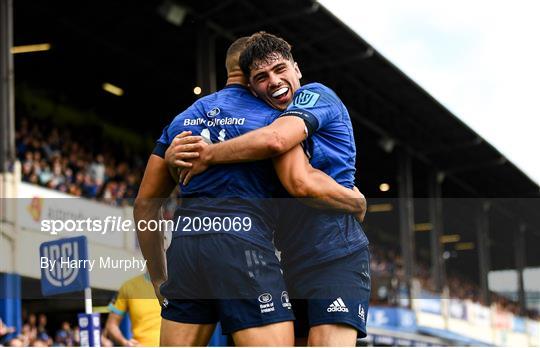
10	300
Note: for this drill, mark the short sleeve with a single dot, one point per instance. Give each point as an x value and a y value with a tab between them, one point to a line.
315	106
119	304
162	143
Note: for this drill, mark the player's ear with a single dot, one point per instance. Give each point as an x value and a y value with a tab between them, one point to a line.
297	70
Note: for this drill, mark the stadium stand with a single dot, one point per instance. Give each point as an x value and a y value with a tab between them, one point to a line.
54	158
391	115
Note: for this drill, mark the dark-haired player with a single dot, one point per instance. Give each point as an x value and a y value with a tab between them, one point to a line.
225	270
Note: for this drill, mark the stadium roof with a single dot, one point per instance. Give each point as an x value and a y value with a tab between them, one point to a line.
150	51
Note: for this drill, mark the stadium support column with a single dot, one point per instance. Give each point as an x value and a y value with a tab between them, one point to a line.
521	260
206	60
436	218
406	217
7	126
482	234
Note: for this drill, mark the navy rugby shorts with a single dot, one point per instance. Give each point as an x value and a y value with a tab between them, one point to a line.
220	277
333	292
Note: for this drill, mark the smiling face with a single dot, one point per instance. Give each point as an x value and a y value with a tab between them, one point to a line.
274	80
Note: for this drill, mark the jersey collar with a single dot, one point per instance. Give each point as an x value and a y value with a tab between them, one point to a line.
235	85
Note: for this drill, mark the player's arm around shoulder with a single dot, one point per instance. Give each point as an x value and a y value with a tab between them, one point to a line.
319	190
266	142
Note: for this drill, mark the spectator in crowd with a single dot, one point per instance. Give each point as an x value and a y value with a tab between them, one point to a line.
42	340
15	342
5	331
42	334
64	336
28	334
97	169
32	330
77	336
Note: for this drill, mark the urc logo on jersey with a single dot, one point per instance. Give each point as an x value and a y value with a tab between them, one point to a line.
306	99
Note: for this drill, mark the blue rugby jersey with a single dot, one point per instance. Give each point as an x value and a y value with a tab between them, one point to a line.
308	236
233	190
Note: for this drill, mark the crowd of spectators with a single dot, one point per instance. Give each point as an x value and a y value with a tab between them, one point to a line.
35	333
386	267
52	157
388	282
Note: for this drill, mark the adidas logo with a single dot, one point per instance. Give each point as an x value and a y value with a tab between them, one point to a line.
337	306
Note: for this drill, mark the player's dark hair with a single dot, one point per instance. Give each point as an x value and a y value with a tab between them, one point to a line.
263	48
234	51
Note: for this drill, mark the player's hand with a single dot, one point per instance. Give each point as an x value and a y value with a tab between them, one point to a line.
131	343
159	297
183	148
105	342
363	203
198	165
